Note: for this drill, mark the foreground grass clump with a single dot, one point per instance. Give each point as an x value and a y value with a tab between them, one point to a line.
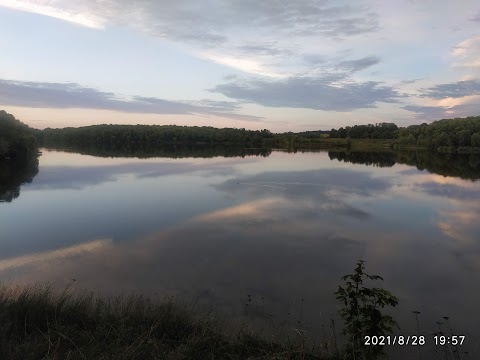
40	323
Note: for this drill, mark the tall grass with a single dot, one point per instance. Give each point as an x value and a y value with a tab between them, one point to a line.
38	322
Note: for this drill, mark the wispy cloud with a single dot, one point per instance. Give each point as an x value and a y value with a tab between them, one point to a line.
218	32
467	53
55	10
359	64
173	19
71	95
303	54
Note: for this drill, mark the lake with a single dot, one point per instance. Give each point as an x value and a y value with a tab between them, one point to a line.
261	237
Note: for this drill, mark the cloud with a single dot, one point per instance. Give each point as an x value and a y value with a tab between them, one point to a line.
452	90
71	95
476	17
457	99
426	112
223	30
467	52
83	18
330	93
175	19
314	59
411	81
359	64
440	112
264	49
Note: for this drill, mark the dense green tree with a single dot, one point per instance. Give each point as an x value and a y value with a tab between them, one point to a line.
370	131
452	135
475	139
129	137
16	139
462	137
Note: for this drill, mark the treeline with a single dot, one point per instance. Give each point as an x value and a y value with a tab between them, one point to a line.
146	140
17	141
295	140
444	135
314	134
129	137
447	135
370	131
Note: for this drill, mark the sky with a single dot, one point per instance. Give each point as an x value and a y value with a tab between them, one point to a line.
284	66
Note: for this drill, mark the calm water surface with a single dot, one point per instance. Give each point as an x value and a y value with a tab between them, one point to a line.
280	230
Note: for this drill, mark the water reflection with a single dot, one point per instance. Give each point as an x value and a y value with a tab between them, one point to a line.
15	174
380	159
12	176
80	177
169	151
457	165
280	229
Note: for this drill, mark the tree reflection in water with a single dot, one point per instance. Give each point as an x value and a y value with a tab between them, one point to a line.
13	174
464	166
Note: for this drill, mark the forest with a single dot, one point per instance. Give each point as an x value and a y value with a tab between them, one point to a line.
147	139
127	137
370	131
459	135
446	135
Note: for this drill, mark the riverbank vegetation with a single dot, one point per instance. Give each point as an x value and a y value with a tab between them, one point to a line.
40	323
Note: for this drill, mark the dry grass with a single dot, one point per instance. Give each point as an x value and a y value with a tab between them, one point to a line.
40	323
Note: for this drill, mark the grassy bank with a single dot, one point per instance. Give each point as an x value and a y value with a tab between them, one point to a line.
371	144
39	323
